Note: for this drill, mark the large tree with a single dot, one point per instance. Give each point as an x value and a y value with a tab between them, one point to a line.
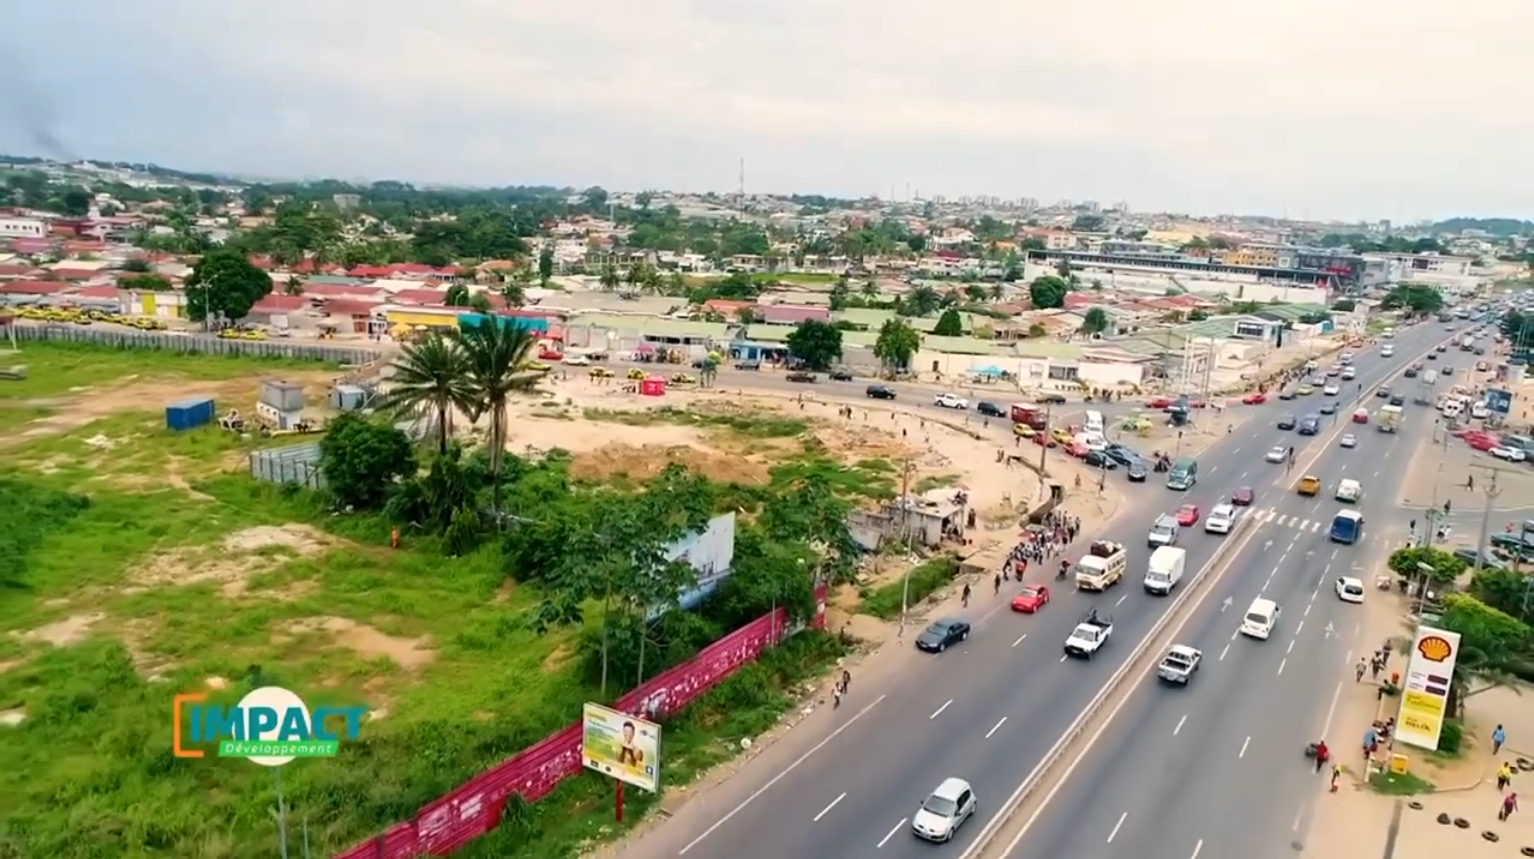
897	344
224	285
818	344
1048	292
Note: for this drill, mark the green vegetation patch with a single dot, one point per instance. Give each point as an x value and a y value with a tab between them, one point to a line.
56	369
869	479
1404	784
885	600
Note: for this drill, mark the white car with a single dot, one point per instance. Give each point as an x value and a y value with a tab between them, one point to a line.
1511	454
1277	454
950	401
1349	440
1480	412
941	815
1331	390
1221	519
1350	589
576	360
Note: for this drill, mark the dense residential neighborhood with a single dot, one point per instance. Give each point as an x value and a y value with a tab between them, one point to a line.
1051	296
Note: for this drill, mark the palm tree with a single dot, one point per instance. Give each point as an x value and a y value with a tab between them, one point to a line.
610	277
432	375
498	356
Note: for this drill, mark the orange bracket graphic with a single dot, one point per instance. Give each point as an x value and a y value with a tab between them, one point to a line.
191	698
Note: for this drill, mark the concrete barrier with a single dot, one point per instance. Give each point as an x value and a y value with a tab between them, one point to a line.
1148	645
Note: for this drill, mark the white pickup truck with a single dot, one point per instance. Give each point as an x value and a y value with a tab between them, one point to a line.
1102	566
1089	636
1179	664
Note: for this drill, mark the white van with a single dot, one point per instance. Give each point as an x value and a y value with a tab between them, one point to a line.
1094	425
1452	407
1259	619
1165	570
1349	490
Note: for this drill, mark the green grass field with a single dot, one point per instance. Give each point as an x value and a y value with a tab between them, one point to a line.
136	563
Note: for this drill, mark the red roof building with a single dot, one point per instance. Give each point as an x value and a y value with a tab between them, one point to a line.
33	287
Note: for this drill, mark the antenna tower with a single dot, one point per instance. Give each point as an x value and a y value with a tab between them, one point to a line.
741	189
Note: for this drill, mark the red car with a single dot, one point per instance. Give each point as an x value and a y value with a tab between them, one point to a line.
1361	416
1078	450
549	355
1187	515
1482	441
1030	599
1159	402
1256	398
1043	440
1242	497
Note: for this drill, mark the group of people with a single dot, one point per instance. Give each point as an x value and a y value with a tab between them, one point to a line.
1058	530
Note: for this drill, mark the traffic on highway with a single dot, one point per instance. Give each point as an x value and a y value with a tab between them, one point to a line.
1184	762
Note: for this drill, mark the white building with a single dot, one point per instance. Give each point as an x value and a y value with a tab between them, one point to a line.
22	228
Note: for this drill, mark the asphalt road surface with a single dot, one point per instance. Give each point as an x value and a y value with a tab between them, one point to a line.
988	710
1216	769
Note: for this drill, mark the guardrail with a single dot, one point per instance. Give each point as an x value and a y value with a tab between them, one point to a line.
1057	752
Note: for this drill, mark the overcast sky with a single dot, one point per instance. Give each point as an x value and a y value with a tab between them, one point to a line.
1310	108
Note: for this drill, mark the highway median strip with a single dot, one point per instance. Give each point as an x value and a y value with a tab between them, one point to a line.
1151	644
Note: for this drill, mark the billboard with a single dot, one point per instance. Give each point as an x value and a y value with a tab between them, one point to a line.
1425	693
1499	401
622	746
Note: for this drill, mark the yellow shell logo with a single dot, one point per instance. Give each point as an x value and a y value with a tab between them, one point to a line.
1435	648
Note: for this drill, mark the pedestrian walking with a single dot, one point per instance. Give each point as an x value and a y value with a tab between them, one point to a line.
998	583
1336	774
1498	737
1509	805
964	598
836	696
1359	669
1504	776
846	681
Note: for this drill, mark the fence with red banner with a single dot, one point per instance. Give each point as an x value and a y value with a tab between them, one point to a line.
445	825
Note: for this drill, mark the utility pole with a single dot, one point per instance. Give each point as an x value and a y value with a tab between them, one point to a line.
1432	514
905	535
1044	448
1492	490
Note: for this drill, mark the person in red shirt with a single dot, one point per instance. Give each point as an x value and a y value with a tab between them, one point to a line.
1322	755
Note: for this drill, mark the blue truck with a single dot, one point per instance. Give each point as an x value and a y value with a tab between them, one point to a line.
1348	527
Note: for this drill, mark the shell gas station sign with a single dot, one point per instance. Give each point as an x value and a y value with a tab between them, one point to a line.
1425	691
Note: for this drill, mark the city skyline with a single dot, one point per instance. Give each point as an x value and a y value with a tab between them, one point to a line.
1197	112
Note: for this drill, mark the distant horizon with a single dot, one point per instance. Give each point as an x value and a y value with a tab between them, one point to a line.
363	183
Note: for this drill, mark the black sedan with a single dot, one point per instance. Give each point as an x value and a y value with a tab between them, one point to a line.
1121	454
1382	392
1052	400
1138	471
880	392
1099	459
841	375
1398	400
1287	422
1329	407
990	410
940	635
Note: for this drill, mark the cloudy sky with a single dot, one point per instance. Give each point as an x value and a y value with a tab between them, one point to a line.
1310	108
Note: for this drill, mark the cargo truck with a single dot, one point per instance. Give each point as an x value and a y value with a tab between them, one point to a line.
1388	419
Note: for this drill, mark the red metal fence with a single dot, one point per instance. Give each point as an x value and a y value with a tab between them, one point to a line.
445	825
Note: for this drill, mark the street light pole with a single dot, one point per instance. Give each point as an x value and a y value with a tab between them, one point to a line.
1492	491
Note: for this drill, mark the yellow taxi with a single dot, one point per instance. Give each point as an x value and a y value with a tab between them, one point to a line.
1305	390
1309	485
1023	431
1061	436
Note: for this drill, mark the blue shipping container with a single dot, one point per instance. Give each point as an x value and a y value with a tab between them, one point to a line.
188	414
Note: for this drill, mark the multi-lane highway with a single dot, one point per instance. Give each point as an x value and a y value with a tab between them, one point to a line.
1216	769
989	710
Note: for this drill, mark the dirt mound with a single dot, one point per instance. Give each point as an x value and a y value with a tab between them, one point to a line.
243	554
646	461
364	640
861	441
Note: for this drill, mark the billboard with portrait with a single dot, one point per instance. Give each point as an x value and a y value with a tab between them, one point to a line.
622	746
